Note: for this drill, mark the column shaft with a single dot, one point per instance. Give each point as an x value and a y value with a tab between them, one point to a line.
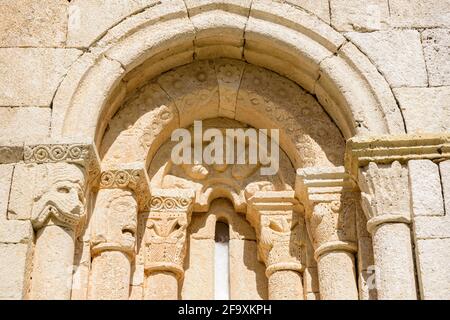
285	285
161	285
53	263
110	276
337	276
394	262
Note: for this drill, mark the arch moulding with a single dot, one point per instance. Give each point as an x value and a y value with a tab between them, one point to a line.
298	46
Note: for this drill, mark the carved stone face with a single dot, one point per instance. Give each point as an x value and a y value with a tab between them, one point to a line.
60	195
122	221
115	220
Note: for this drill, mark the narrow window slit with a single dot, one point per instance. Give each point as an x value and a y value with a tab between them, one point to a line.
221	262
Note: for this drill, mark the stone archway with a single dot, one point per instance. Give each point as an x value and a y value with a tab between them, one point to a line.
299	46
324	69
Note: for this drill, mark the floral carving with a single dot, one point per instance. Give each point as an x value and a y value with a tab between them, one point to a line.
166	232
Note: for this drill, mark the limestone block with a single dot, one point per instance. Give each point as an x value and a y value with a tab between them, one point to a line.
426	110
426	227
12	231
436	47
20	124
425	184
6	172
198	281
444	168
90	19
359	15
229	74
30	77
397	54
136	292
420	14
196	6
433	259
318	7
22	190
15	265
247	274
219	26
33	23
11	152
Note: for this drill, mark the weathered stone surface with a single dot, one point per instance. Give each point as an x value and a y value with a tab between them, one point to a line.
16	232
199	270
21	124
33	23
15	263
363	16
420	14
6	171
436	47
397	54
426	191
30	77
247	278
392	248
89	19
433	259
444	168
431	227
318	7
425	109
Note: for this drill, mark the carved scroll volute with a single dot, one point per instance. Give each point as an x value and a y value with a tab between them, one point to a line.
170	212
279	228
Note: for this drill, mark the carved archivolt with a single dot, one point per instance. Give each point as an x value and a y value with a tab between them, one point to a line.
228	88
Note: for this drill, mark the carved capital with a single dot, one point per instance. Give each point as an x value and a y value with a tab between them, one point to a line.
360	151
58	195
385	193
82	154
331	203
131	176
114	221
280	230
165	237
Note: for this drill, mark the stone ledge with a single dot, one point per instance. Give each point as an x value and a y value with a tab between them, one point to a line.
360	151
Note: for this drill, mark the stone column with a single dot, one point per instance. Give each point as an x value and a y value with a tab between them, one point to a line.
279	229
57	212
386	202
165	241
114	224
330	217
